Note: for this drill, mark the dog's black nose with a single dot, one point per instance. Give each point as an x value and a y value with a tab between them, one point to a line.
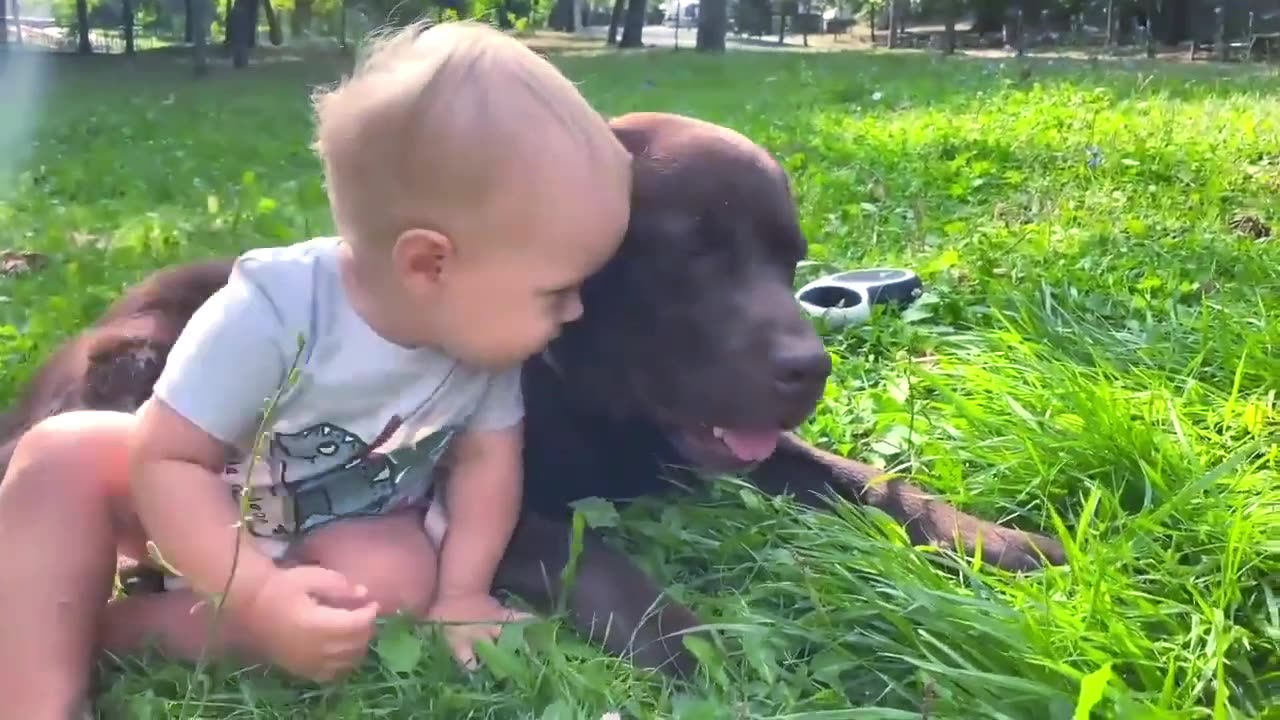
801	366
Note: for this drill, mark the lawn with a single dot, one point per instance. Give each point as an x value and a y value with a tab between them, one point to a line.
1098	356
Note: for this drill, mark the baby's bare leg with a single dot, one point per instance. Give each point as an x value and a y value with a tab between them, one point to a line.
179	624
62	514
390	555
65	501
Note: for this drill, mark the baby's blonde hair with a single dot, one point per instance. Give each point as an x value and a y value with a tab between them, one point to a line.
436	126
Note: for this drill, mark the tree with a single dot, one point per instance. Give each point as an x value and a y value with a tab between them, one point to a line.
1175	21
633	24
199	24
1150	35
1220	32
894	21
713	25
870	12
128	26
753	17
561	16
300	18
242	28
949	34
615	19
84	47
989	15
274	34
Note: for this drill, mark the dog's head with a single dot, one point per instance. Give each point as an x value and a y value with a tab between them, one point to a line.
693	324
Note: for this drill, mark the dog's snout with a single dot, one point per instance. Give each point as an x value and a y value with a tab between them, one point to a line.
798	367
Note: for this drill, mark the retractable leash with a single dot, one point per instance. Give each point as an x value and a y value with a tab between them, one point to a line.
846	298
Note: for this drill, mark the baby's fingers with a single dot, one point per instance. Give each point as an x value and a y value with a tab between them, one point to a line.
464	652
518	616
462	640
356	625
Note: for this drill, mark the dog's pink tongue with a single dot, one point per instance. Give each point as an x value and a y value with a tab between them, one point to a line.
751	445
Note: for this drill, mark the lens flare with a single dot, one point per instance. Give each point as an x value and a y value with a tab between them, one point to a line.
23	86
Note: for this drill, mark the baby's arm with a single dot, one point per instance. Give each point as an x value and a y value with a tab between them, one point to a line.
216	382
483	492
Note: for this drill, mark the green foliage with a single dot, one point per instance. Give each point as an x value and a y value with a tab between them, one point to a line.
1095	357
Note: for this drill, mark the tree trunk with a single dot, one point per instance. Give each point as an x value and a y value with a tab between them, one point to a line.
1111	23
615	19
1175	21
804	30
989	15
1220	32
4	23
633	25
561	16
84	47
342	24
949	33
1019	33
251	23
504	16
300	19
1150	6
198	23
188	22
242	26
127	11
273	24
713	24
893	24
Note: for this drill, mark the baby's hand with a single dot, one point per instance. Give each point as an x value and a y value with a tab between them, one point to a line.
312	621
478	615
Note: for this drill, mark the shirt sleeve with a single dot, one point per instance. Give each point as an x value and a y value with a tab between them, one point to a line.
228	361
502	404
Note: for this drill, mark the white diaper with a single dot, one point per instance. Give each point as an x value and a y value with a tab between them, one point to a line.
435	522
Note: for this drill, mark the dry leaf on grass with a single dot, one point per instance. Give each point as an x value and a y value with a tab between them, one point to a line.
1251	225
20	262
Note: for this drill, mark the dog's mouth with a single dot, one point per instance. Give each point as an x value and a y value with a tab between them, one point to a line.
724	449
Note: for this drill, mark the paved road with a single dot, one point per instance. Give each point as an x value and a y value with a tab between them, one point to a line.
664	36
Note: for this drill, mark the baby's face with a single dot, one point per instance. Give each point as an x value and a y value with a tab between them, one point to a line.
499	309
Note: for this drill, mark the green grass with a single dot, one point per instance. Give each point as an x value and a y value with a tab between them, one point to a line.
1098	355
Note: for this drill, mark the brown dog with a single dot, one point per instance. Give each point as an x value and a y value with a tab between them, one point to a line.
692	353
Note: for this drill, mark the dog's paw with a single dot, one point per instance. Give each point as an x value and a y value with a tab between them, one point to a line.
1013	550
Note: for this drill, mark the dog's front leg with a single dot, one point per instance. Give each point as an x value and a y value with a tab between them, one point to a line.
610	600
812	475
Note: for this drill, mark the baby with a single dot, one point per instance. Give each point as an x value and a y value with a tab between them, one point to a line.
389	360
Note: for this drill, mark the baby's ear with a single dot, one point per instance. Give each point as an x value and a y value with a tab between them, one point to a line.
421	256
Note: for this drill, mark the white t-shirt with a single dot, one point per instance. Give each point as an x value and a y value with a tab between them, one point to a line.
361	431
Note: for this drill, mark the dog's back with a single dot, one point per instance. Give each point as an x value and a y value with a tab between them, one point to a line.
112	364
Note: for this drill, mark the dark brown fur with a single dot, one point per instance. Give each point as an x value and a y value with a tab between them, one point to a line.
691	325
